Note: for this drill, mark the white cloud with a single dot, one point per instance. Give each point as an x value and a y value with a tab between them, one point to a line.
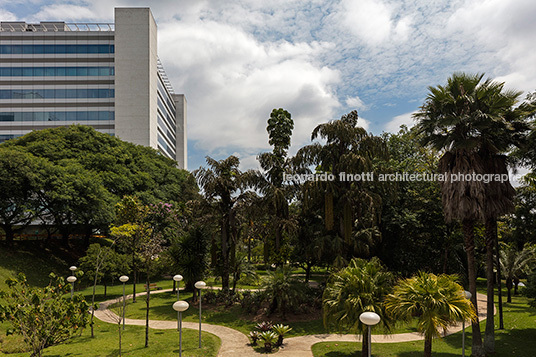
233	81
62	12
393	126
355	103
7	15
372	21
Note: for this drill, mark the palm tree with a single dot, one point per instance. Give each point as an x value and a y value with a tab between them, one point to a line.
437	301
474	121
360	287
515	263
351	207
222	182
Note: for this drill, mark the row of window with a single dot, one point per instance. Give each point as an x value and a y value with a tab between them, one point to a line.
168	150
56	93
55	71
51	49
8	137
165	130
166	96
57	116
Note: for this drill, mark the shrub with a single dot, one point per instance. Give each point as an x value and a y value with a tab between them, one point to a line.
283	290
251	301
530	289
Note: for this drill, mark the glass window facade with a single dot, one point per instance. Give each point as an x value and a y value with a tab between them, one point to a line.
56	93
54	49
55	71
56	116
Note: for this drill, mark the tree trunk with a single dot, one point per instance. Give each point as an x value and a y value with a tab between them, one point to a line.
499	282
135	280
509	285
307	272
516	283
174	287
147	312
489	336
10	234
468	233
427	347
225	253
105	287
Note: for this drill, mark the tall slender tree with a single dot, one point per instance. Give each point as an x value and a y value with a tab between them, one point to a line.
271	182
222	182
474	121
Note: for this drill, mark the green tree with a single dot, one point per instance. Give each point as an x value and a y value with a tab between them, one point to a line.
21	177
361	286
437	301
475	122
282	290
222	183
44	317
271	183
351	207
188	255
516	263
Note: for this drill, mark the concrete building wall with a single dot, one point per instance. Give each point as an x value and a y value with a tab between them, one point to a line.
182	147
135	76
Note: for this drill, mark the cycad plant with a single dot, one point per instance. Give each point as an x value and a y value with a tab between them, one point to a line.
437	302
360	287
283	290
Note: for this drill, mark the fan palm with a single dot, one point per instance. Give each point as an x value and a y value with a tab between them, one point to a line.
360	287
437	301
515	263
474	121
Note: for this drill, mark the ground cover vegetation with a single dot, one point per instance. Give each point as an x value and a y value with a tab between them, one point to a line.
314	254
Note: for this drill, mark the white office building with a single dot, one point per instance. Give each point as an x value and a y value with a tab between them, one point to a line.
107	76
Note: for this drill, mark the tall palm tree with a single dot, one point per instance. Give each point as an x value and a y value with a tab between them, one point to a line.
360	287
351	207
222	183
437	301
474	122
515	263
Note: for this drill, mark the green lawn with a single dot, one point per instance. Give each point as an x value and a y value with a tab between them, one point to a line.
517	339
161	343
161	309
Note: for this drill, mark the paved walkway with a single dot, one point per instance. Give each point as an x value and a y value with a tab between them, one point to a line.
235	344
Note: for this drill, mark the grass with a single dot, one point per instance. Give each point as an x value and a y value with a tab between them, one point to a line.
517	339
161	343
161	309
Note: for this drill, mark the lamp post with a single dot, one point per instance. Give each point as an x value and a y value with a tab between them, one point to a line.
177	278
71	279
370	319
123	279
200	285
180	306
468	296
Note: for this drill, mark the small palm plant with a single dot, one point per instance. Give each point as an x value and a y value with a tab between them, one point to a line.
437	301
269	338
264	326
281	330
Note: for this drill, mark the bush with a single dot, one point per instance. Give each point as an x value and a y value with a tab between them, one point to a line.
530	289
252	301
221	297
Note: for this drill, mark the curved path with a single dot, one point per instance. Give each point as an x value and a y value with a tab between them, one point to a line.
234	343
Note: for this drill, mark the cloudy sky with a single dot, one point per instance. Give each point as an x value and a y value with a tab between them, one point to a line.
237	60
